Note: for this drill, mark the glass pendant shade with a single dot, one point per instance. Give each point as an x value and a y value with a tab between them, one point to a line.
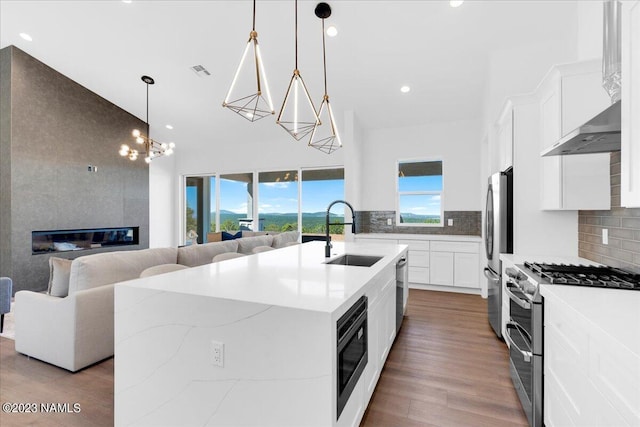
249	94
298	115
326	137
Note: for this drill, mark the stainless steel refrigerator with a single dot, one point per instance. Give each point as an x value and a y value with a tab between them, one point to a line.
498	238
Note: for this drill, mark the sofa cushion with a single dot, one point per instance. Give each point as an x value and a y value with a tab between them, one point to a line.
59	270
161	269
193	256
246	244
246	233
283	239
91	271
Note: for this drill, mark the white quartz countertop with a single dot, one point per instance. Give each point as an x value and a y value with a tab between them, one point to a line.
295	277
401	236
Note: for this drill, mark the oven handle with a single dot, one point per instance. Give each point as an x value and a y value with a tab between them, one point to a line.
344	339
522	303
491	275
513	325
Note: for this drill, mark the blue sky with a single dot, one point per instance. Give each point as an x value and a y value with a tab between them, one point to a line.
277	197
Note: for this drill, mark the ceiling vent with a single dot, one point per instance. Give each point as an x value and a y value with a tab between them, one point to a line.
200	70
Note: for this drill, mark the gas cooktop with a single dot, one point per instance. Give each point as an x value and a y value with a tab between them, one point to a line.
585	275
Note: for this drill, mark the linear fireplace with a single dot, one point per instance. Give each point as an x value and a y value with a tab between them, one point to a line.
44	242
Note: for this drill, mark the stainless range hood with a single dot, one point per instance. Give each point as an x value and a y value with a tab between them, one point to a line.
601	134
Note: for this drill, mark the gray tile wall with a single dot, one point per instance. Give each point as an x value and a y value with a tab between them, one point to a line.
623	224
58	128
467	223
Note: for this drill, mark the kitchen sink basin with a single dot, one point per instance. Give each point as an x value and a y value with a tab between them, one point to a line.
355	260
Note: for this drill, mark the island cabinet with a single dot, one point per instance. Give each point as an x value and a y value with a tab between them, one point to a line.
630	143
569	96
591	357
251	340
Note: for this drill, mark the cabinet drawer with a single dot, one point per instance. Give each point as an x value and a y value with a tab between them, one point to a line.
418	259
470	247
418	275
415	245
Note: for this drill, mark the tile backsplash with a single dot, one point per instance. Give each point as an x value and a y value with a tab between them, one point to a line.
623	225
467	223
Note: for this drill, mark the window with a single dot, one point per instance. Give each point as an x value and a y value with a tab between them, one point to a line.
278	200
419	200
320	187
236	201
200	211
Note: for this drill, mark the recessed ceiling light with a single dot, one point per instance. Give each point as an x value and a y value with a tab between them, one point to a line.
169	127
456	3
405	89
127	1
332	31
26	36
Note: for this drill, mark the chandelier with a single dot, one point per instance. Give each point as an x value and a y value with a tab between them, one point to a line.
327	138
149	148
299	117
253	106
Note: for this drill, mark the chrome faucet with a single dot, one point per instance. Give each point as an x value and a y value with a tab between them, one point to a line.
327	248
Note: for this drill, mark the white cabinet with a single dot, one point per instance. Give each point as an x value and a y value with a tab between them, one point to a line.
630	147
590	376
455	264
418	260
569	96
504	136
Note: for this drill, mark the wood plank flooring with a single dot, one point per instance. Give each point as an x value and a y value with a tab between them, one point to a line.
446	368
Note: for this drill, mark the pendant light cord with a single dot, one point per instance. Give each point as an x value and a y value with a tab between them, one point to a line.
254	15
324	60
296	34
148	128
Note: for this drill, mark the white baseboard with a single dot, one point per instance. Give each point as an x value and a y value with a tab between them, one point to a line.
441	288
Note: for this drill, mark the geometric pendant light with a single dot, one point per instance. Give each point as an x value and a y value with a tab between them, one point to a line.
325	138
298	115
151	148
249	92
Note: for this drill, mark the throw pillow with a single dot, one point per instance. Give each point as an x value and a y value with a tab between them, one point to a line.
229	236
59	270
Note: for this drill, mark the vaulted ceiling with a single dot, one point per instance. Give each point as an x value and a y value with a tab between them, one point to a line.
441	52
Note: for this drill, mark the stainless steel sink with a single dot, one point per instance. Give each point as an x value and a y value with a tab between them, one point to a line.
355	260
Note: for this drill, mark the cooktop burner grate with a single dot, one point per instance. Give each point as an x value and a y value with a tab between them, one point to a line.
586	275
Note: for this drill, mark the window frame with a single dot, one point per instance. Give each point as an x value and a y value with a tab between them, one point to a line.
418	193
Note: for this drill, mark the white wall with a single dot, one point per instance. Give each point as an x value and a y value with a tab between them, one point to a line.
589	30
162	201
456	143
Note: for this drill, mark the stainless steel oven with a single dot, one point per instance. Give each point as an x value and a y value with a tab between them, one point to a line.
352	355
524	334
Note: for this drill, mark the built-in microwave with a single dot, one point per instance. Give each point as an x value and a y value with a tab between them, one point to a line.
351	353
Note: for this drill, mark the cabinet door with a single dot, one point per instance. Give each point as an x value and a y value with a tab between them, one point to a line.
551	167
466	270
630	149
441	268
372	370
505	139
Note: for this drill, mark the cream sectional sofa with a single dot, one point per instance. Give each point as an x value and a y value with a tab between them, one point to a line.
75	331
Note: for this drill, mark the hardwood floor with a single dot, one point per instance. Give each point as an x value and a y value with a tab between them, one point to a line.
446	368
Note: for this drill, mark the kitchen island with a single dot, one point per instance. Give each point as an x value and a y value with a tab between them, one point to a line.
250	341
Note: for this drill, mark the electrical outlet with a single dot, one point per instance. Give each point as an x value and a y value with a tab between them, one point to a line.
389	221
605	236
450	222
217	353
